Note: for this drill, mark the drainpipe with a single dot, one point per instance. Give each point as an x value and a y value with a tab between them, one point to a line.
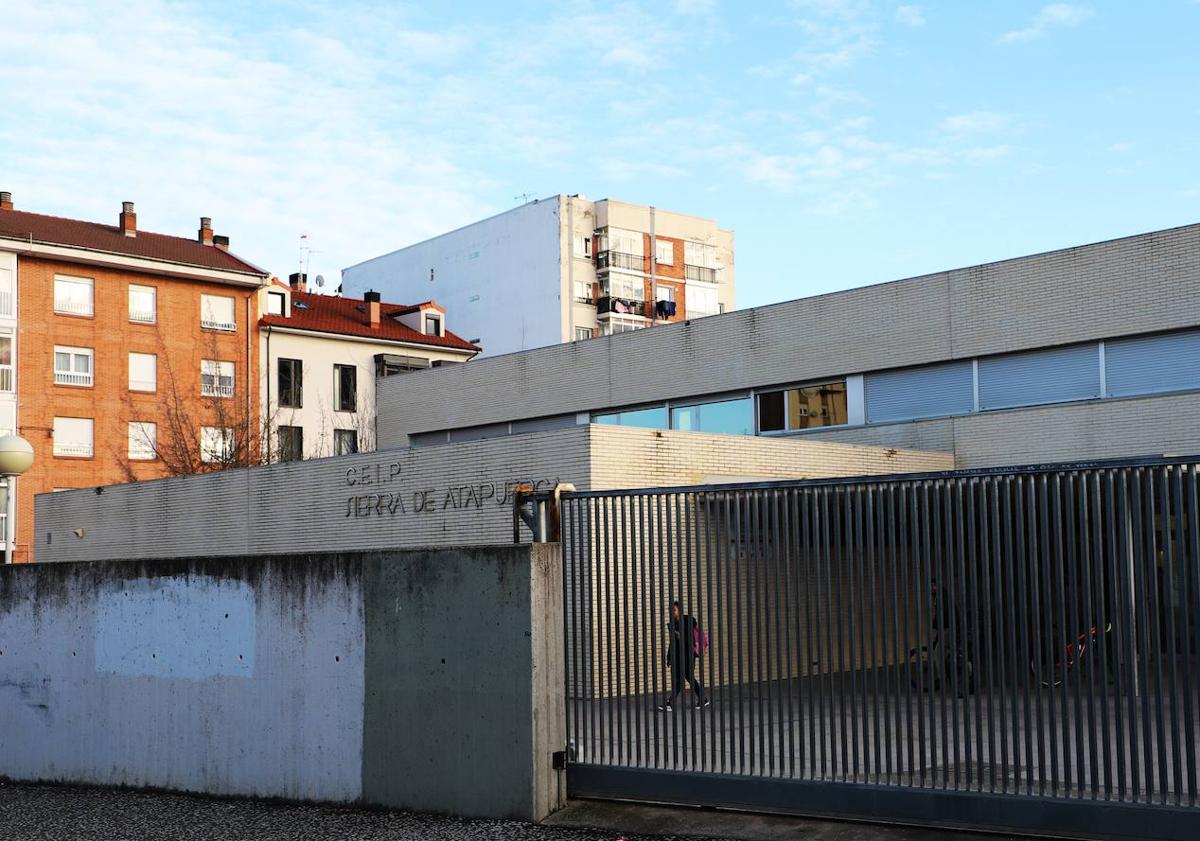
653	270
267	363
570	337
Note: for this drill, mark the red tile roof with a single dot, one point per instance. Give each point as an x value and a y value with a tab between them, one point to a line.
347	317
75	233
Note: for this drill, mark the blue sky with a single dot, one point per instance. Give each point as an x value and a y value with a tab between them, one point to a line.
845	142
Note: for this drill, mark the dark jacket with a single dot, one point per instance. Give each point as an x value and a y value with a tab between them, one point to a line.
681	641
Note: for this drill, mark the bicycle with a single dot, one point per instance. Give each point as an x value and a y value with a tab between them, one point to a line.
1066	658
934	668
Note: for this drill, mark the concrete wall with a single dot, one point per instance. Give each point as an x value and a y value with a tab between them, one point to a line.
413	680
447	495
499	279
1127	286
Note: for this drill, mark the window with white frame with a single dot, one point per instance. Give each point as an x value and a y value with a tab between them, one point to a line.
582	334
583	246
143	441
630	288
73	295
216	444
143	304
664	292
621	325
583	291
73	437
664	252
72	365
216	378
625	242
143	372
216	313
275	302
7	296
6	360
700	254
701	301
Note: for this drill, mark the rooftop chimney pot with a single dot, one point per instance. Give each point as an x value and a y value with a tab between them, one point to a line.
372	301
5	200
221	242
205	234
128	219
298	281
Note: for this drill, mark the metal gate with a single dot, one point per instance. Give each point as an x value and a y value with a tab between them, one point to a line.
1011	649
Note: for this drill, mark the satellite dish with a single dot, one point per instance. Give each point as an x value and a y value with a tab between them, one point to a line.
320	280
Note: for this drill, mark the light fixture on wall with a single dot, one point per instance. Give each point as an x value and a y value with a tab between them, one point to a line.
16	456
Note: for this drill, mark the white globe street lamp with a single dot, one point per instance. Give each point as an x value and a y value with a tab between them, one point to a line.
16	456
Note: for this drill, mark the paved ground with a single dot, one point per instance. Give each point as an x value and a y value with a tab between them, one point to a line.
71	813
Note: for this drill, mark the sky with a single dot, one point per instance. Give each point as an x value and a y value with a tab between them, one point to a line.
845	142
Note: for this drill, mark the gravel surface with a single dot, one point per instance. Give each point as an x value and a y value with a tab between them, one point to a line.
64	813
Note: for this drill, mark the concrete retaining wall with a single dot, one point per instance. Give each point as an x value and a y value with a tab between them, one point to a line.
426	680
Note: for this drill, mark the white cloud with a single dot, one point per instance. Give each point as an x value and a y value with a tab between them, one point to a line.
1121	148
975	122
910	16
1053	16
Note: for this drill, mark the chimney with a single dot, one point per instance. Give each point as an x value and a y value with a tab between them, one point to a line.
128	219
221	242
372	300
298	282
5	200
205	234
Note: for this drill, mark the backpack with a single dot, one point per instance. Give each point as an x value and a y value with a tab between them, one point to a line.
699	640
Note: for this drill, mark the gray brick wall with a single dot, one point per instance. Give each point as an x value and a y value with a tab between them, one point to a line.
1135	284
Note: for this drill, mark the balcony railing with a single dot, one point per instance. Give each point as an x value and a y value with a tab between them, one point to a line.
213	390
212	324
6	378
700	273
584	299
73	307
619	260
66	448
145	316
621	306
6	308
72	378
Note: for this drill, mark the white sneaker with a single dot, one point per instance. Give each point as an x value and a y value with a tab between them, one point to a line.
665	708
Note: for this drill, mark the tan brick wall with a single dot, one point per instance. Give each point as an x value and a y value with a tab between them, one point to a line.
178	341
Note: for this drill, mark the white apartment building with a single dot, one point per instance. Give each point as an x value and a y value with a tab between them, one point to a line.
562	269
321	355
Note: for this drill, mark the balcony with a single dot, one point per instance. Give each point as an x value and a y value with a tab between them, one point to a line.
146	316
618	260
209	389
700	273
71	378
620	306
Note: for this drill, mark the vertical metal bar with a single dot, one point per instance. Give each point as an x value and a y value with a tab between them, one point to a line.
754	659
1072	536
625	628
995	643
829	722
970	635
633	690
570	545
882	735
770	628
1167	535
1192	599
1024	530
811	577
1154	636
1142	597
1047	643
1114	731
739	589
611	604
1128	624
846	738
956	572
780	591
1184	786
851	561
923	506
1089	554
902	584
708	672
1065	626
684	503
654	578
791	615
728	636
678	728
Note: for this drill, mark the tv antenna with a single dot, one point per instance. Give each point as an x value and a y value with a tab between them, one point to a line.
524	197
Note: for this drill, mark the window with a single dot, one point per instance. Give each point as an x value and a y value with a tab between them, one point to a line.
620	325
73	437
6	292
728	417
216	378
6	360
1150	364
927	392
216	444
699	254
345	441
143	441
388	364
433	325
583	292
583	246
630	288
807	407
664	252
345	388
143	304
1041	376
583	333
291	443
216	313
654	417
72	365
143	372
291	383
73	295
664	292
275	302
701	301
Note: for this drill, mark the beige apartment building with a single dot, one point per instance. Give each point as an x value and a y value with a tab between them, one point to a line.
563	269
322	356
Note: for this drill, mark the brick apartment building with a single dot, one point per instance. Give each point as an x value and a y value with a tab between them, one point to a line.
123	353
